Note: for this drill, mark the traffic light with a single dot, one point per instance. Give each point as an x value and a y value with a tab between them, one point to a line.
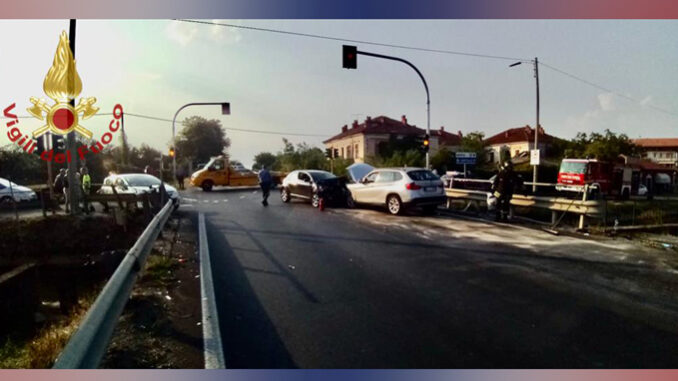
350	57
171	152
328	153
40	145
336	153
58	143
425	143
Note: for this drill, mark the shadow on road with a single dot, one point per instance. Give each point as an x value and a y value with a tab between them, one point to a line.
249	337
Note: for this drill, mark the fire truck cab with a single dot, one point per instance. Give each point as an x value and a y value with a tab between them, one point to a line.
601	177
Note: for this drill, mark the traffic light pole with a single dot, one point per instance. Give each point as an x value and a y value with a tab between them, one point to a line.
225	110
70	139
428	99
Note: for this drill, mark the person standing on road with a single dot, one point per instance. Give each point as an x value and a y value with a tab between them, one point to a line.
503	187
86	187
265	183
181	176
59	185
65	192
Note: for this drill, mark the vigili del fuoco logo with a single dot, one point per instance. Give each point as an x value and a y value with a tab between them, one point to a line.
62	84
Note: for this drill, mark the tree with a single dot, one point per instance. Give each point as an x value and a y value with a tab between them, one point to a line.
20	167
443	160
200	139
264	159
606	146
474	142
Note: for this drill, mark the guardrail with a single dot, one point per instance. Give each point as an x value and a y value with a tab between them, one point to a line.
584	208
88	344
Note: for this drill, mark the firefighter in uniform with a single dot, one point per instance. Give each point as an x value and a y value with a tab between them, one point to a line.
505	183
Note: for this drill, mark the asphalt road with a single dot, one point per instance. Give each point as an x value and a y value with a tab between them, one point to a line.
297	287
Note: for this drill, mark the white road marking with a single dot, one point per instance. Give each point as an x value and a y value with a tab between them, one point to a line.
206	201
215	201
225	200
189	199
241	197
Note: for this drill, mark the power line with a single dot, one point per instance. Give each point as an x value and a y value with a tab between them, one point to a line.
600	87
331	38
267	132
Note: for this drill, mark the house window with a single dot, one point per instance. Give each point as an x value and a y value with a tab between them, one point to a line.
342	153
356	151
517	152
349	153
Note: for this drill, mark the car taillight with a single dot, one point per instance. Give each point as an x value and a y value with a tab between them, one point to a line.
412	186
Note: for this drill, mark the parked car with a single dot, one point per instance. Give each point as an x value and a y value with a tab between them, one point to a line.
17	192
137	183
312	185
396	188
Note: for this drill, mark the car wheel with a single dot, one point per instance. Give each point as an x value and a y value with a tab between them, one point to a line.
207	185
315	200
394	205
5	201
350	202
285	195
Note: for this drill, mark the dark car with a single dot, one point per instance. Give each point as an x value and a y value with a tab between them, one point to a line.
312	185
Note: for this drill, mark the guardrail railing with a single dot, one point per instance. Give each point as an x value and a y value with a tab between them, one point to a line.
88	344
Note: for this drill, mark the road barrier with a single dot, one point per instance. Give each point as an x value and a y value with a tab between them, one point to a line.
584	208
213	347
88	344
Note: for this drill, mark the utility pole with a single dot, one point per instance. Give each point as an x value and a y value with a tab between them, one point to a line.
536	129
70	140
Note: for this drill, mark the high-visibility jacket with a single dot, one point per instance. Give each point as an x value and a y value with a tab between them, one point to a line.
86	183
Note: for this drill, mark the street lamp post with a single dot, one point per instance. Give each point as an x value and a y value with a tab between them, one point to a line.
225	110
536	129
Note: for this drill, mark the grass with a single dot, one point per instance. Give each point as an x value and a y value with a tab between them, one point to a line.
41	351
159	269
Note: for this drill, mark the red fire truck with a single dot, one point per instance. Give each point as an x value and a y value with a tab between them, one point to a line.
602	177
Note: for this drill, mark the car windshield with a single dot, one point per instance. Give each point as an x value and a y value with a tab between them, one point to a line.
422	174
573	167
141	180
321	175
6	183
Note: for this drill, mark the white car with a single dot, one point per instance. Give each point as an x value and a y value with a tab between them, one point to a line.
137	183
18	192
396	188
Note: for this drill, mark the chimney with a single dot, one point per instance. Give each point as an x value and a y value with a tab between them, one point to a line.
355	124
344	128
460	134
442	128
403	119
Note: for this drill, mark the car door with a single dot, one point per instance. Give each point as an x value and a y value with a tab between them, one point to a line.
304	187
382	186
366	188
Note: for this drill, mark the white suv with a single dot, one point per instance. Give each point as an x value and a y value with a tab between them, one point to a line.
396	188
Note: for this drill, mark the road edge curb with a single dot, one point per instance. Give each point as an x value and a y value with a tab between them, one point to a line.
213	347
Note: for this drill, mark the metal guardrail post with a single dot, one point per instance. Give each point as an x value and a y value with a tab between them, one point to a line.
214	349
88	344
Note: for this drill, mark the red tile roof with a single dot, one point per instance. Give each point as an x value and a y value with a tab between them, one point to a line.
519	134
656	143
385	125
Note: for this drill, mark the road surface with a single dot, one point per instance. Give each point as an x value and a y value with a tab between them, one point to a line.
297	287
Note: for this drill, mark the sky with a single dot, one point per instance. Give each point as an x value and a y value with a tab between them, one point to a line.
294	85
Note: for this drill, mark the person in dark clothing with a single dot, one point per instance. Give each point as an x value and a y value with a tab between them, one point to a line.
59	184
505	183
265	181
181	176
